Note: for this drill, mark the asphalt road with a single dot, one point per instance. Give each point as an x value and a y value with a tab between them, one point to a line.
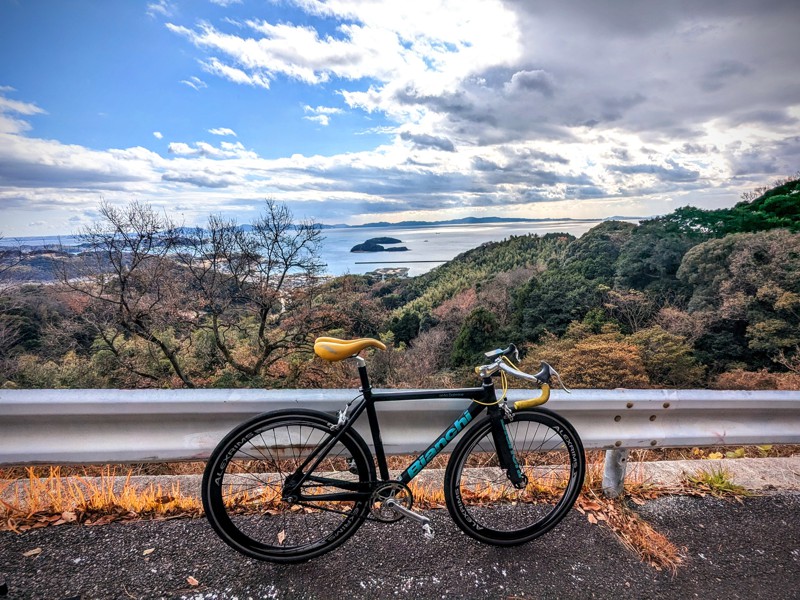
733	550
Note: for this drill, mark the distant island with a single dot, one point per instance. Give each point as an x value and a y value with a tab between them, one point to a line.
376	245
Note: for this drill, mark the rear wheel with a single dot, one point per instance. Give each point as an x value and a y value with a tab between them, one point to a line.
243	487
486	505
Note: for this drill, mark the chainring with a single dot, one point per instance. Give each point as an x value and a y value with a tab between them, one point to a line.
395	490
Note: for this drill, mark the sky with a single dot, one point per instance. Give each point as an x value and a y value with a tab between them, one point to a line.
352	111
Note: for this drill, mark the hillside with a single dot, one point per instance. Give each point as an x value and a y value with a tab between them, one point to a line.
694	298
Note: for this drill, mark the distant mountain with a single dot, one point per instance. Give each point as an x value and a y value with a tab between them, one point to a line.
463	221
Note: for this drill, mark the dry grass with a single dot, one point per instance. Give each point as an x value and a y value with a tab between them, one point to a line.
56	499
651	546
636	534
49	497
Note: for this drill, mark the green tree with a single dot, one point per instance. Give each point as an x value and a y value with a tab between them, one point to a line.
405	328
479	334
667	358
650	259
553	300
594	254
747	288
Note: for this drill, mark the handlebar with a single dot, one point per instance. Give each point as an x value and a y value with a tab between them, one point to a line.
542	378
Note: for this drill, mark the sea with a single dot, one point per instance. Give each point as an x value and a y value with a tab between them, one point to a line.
428	246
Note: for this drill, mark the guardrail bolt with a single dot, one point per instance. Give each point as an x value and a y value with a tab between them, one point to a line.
666	404
652	417
618	418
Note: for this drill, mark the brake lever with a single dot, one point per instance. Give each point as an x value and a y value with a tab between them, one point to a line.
560	381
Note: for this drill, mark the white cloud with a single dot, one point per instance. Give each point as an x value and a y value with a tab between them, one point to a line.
158	135
321	114
255	79
9	122
323	120
222	131
195	83
433	44
225	3
225	150
162	8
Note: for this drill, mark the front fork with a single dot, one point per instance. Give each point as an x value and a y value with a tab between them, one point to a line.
505	448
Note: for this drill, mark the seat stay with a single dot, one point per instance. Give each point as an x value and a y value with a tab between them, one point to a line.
321	451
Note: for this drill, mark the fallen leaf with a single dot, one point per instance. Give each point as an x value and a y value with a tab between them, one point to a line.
637	501
281	537
33	552
192	581
148	551
69	516
592	518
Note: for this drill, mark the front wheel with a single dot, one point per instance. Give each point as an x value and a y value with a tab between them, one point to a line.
245	486
487	506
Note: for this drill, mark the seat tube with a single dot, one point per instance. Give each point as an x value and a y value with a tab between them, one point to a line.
374	426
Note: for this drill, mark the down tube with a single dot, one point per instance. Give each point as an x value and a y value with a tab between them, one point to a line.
447	436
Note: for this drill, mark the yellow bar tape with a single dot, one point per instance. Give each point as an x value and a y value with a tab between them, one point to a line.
545	396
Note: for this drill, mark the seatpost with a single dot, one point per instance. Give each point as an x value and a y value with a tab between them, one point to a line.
362	375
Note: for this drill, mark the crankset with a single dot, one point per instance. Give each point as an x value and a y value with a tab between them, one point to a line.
400	495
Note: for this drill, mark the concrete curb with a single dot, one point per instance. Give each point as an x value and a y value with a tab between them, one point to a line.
755	474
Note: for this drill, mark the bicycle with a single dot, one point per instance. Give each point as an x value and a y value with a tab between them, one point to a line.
290	485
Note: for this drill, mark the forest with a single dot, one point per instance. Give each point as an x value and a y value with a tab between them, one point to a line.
692	299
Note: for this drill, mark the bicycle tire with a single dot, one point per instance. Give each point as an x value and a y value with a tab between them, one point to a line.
243	481
480	497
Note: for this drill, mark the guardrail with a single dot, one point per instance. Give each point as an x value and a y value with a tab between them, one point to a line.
104	426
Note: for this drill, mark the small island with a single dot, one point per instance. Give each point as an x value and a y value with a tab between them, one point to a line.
376	245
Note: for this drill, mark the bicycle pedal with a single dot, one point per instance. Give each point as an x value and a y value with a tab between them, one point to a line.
427	530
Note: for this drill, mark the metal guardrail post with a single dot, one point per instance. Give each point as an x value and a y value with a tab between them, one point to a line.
614	469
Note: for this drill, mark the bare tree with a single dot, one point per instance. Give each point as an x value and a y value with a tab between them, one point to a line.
136	286
248	288
633	309
254	283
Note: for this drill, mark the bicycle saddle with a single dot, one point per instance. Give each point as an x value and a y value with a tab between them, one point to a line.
334	349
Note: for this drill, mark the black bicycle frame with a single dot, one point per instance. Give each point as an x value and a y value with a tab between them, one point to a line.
483	397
